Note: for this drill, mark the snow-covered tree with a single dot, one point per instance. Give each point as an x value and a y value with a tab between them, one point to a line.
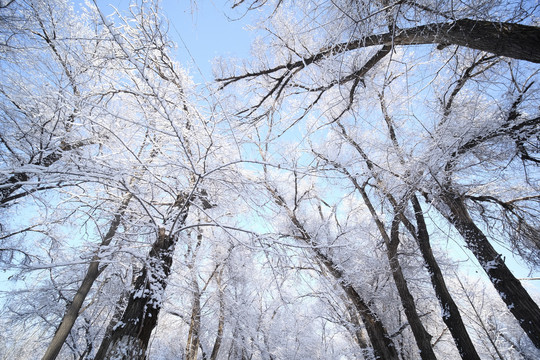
307	205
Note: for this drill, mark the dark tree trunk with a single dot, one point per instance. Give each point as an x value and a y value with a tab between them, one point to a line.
130	337
355	328
422	337
221	321
516	298
383	347
500	38
450	311
192	344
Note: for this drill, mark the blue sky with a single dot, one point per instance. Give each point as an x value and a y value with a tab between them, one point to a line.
208	32
203	30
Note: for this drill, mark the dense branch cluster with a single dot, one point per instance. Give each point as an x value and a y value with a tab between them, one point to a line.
326	199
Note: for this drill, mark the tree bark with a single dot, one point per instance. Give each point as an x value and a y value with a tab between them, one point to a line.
500	38
450	311
515	41
130	337
192	344
422	337
355	328
221	321
516	298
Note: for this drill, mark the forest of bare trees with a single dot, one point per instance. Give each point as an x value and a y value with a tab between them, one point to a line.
354	189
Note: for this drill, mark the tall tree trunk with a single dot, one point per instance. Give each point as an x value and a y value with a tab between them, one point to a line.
131	335
422	337
72	312
516	298
356	328
492	339
221	320
382	344
192	344
450	311
383	347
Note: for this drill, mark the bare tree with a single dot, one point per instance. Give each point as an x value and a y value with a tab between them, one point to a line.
334	74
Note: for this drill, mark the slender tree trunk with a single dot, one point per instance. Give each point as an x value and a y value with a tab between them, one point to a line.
422	337
382	344
192	344
92	274
516	298
481	321
450	311
221	321
236	351
356	328
383	347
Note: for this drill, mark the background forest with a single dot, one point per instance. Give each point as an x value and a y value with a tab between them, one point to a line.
357	188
